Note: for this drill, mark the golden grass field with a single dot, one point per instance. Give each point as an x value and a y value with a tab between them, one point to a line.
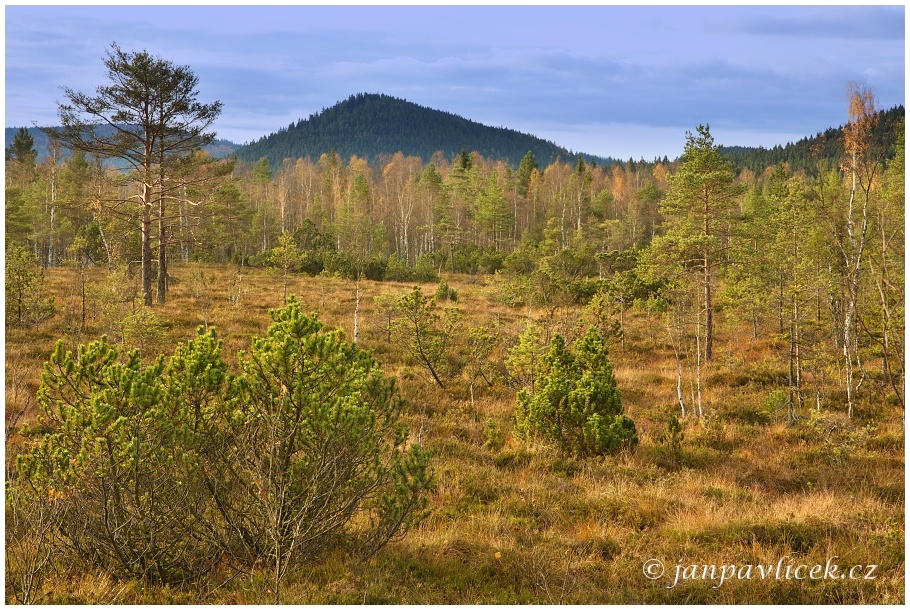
515	523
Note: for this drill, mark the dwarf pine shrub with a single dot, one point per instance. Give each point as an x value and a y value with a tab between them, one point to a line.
164	469
575	402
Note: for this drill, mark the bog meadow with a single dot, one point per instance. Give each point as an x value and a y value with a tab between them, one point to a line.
449	380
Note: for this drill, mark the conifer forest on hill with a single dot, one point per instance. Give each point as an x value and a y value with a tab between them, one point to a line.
453	378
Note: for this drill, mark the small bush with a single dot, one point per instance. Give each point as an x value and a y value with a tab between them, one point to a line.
575	402
494	437
478	490
835	439
518	458
337	264
119	452
777	400
750	415
375	268
424	271
445	293
397	270
604	548
674	435
491	260
671	443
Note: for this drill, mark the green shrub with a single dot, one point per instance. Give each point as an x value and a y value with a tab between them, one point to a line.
494	436
575	402
427	336
337	264
320	444
164	469
119	452
519	458
27	302
398	270
490	260
674	436
375	268
424	270
311	263
445	293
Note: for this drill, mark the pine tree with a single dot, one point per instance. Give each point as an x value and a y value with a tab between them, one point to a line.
698	207
116	443
149	118
575	402
27	301
319	444
166	469
426	335
287	257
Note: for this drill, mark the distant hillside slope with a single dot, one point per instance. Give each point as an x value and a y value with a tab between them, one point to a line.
369	125
218	148
804	155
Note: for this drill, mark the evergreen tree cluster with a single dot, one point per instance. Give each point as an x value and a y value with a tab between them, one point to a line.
804	155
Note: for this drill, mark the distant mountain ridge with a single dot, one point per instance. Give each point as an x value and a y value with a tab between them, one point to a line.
372	125
218	148
805	154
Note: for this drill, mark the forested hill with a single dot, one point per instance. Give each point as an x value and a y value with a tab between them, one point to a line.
369	125
804	155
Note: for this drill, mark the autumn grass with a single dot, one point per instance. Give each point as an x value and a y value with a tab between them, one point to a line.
515	522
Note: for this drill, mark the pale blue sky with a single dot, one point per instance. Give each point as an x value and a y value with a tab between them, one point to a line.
609	80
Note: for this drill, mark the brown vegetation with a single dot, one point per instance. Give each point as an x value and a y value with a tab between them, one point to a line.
515	522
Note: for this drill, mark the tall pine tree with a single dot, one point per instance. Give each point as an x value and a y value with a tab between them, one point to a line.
148	118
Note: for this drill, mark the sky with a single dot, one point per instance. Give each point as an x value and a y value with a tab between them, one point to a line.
615	81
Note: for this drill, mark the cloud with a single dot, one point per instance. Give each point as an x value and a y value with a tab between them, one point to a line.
769	69
829	22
